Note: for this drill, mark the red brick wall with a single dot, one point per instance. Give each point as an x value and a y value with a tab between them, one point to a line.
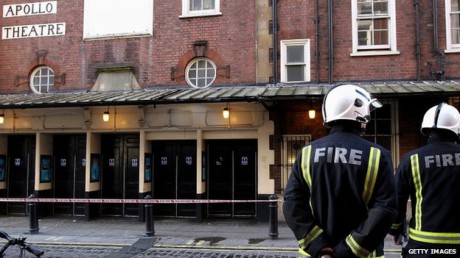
295	119
230	37
296	20
291	117
231	41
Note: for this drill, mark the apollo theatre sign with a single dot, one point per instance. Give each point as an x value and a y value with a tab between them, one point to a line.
32	30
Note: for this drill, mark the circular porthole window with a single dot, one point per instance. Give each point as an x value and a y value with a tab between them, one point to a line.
42	79
200	73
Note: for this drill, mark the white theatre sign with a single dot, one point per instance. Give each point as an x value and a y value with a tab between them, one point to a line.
32	30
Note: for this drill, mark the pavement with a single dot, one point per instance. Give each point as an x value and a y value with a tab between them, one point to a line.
218	234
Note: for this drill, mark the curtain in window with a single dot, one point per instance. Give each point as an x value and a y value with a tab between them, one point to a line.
197	5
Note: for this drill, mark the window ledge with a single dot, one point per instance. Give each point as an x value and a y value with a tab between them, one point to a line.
375	53
185	16
295	82
452	50
120	36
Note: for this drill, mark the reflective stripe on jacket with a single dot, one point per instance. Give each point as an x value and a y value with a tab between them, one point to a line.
430	176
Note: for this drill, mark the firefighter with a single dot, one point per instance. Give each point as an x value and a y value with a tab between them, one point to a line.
340	200
430	176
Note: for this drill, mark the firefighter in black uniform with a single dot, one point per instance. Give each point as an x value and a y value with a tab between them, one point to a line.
430	176
340	200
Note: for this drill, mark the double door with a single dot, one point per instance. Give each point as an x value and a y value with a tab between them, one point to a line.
120	174
21	171
69	177
174	176
232	176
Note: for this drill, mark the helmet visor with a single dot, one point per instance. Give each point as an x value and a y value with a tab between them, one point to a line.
374	104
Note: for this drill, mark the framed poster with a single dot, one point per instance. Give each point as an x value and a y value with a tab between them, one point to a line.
45	168
203	166
148	168
2	167
95	172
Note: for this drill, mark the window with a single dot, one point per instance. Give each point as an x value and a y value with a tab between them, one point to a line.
117	18
42	79
191	8
453	25
292	144
295	60
201	73
374	27
381	129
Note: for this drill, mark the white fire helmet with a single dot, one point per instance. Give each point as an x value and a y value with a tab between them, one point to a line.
348	102
442	116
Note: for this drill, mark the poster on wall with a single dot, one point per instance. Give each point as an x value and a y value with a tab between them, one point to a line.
148	168
95	168
45	168
203	166
2	167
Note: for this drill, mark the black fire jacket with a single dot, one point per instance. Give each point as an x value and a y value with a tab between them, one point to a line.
430	175
341	194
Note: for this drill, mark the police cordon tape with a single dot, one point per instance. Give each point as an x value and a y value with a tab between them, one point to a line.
140	201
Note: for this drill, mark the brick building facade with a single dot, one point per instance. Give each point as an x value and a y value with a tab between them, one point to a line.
165	70
153	56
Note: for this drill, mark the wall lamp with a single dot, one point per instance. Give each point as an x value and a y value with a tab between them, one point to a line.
106	116
2	118
312	113
200	47
226	113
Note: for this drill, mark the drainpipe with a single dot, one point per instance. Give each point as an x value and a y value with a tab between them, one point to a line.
317	40
417	38
275	41
330	43
438	75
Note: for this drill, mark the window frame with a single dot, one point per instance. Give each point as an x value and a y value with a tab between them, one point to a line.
284	64
394	126
196	60
450	47
289	154
38	88
186	12
387	49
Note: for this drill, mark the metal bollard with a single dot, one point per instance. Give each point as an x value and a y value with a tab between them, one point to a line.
33	229
149	225
273	216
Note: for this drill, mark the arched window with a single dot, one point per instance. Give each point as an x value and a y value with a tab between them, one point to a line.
200	73
42	79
